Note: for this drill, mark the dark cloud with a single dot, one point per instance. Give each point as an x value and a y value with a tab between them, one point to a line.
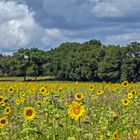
56	21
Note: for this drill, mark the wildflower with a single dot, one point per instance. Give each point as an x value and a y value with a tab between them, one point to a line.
125	84
11	90
99	92
115	135
91	87
18	101
3	121
79	96
29	113
115	117
135	131
1	99
42	90
38	103
94	96
76	111
22	99
7	110
130	95
125	101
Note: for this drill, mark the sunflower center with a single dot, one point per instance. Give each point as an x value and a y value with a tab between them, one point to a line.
76	111
1	99
29	112
11	89
3	121
79	95
125	101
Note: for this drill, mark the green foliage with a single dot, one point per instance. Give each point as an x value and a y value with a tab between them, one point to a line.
89	61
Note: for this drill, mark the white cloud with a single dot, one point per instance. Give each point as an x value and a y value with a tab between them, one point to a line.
122	38
114	8
17	26
105	9
55	36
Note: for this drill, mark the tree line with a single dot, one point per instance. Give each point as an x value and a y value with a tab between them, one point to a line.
88	61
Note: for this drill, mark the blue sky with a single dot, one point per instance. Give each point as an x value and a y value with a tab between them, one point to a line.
48	23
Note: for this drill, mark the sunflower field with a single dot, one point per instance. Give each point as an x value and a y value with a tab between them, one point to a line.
69	111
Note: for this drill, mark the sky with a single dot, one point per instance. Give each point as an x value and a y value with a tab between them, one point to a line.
46	24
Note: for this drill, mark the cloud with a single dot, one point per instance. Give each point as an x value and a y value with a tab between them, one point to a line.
17	26
54	37
122	38
47	23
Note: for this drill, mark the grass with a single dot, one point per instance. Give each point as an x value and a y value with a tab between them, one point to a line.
41	78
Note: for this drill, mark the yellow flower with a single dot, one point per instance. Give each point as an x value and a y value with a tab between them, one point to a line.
66	103
3	104
22	99
18	101
99	92
43	90
11	90
115	117
3	121
22	94
60	90
79	96
29	113
115	135
7	110
130	95
91	87
38	103
76	111
135	131
125	83
94	96
1	99
76	83
125	101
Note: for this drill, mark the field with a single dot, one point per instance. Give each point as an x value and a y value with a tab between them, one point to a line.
41	78
69	111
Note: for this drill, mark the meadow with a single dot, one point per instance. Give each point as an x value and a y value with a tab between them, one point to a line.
69	111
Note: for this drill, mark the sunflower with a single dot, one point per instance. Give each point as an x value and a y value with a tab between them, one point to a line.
22	99
115	135
125	101
115	117
94	96
3	121
76	83
130	95
60	90
79	96
125	83
91	88
75	111
29	113
99	92
135	132
7	110
3	104
11	90
1	99
22	94
133	92
18	101
42	90
38	103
